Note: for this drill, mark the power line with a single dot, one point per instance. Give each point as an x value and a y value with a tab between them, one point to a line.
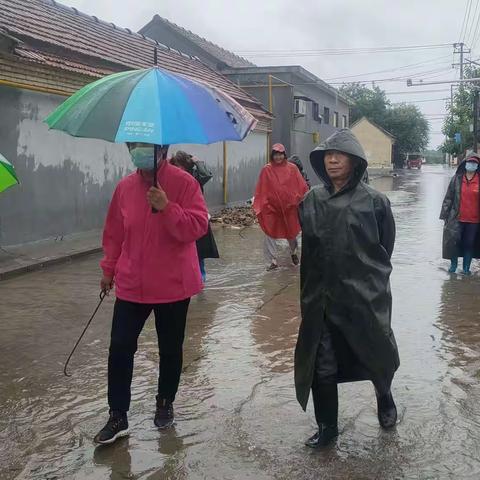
468	11
474	41
472	29
475	30
341	51
422	101
391	69
467	8
413	92
398	79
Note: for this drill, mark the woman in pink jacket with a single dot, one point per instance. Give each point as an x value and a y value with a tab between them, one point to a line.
152	260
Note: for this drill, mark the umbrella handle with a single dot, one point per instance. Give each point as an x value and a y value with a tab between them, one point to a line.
155	171
156	150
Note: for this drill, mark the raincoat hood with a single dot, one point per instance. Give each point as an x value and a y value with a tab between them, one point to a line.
278	147
468	156
295	159
343	141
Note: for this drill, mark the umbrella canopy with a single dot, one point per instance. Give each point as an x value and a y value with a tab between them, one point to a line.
8	177
152	106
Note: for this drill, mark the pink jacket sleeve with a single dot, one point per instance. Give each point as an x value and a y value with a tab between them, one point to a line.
112	236
188	219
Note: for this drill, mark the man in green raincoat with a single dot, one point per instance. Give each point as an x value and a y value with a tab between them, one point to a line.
345	334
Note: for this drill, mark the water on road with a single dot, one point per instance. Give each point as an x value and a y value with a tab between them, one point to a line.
237	417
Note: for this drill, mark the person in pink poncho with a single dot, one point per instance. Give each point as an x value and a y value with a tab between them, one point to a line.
151	258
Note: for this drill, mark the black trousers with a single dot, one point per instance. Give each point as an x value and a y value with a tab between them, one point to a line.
324	385
469	234
128	321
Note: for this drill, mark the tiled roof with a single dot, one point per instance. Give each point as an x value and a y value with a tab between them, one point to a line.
229	58
65	38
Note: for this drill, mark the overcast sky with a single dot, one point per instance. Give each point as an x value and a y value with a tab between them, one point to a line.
272	25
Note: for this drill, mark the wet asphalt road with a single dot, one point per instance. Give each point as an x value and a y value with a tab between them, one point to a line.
237	417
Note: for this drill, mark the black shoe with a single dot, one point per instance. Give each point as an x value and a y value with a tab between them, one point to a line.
164	416
116	427
325	435
272	266
387	410
295	259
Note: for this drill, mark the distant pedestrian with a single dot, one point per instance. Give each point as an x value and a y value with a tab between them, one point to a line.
152	260
295	159
461	213
348	235
206	246
279	191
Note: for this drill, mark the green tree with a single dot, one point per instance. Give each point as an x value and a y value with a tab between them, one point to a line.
366	102
409	126
460	117
435	156
405	122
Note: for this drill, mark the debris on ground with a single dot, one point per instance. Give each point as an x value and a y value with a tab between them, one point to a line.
235	217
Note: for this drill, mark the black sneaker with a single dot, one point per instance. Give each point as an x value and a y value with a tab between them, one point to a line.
116	427
164	416
295	259
325	435
271	267
387	411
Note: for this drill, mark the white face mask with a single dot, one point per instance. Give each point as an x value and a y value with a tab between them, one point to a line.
471	167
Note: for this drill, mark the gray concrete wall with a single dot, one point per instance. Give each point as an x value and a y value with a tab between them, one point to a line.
244	160
282	99
67	182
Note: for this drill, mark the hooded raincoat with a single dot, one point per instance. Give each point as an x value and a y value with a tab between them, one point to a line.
452	233
278	193
206	246
295	159
153	257
348	239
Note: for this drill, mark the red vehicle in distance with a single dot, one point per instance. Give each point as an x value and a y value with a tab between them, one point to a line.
415	160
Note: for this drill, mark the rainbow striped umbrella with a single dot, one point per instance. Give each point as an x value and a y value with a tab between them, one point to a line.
152	106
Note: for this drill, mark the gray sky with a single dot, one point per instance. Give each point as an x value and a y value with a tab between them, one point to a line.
266	25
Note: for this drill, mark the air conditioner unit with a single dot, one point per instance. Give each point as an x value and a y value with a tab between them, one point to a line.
300	107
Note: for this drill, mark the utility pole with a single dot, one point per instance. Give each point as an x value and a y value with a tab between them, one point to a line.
461	60
460	49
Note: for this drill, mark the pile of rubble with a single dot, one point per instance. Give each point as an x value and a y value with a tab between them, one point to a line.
235	217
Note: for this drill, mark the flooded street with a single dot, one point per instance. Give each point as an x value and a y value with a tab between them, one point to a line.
237	417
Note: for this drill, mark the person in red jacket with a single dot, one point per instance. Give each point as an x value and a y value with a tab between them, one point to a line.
461	213
151	257
279	191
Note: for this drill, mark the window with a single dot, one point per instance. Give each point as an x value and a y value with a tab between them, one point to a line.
344	121
316	112
326	115
335	119
300	107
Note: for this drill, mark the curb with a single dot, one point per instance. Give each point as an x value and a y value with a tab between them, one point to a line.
47	262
